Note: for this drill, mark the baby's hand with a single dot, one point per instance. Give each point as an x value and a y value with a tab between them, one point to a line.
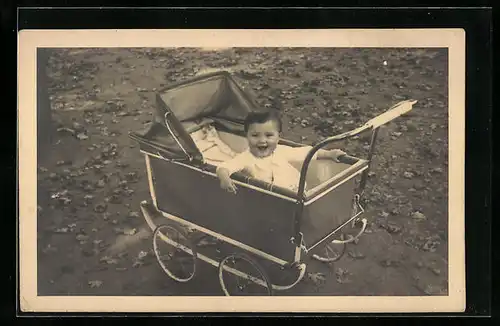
336	154
225	180
228	185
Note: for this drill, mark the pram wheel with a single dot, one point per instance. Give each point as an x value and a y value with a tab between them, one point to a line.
175	253
241	275
331	252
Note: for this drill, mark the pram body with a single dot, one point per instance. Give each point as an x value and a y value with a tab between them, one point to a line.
267	222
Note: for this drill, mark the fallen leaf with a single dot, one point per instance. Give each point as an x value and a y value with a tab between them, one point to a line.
53	176
95	284
437	170
65	200
59	194
436	271
418	216
82	136
142	255
131	176
129	192
137	263
129	231
68	130
77	126
114	199
389	263
430	245
393	228
384	214
342	275
134	215
100	208
82	237
408	175
109	260
317	278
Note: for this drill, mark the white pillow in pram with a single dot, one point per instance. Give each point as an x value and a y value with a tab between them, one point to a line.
213	149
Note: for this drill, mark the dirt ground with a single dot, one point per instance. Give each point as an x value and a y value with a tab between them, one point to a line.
92	239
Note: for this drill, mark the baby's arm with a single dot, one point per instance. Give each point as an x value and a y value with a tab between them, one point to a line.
226	169
225	179
333	154
299	154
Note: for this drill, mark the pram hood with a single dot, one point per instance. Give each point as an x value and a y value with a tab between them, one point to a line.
184	106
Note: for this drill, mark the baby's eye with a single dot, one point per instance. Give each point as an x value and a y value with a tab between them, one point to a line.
269	134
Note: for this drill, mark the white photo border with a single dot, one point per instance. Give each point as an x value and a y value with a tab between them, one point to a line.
30	40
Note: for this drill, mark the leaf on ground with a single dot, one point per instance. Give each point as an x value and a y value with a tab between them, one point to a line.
109	260
317	278
82	136
142	255
342	275
430	245
59	194
137	263
418	216
68	130
134	215
384	214
82	237
95	284
129	231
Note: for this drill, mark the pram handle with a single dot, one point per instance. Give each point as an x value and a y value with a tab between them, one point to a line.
373	125
394	112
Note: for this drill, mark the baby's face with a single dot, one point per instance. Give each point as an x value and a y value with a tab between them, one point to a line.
263	138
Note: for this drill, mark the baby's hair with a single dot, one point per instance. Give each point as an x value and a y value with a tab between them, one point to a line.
263	117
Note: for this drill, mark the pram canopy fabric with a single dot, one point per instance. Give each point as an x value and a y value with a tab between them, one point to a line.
188	104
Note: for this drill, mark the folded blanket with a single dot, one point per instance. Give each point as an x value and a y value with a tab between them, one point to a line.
214	150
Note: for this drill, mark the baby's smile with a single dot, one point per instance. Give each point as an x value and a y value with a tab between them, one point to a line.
263	138
262	150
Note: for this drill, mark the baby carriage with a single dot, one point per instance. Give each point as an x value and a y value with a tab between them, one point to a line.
264	230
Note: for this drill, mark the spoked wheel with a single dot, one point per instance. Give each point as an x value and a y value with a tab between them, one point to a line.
175	253
239	275
331	252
